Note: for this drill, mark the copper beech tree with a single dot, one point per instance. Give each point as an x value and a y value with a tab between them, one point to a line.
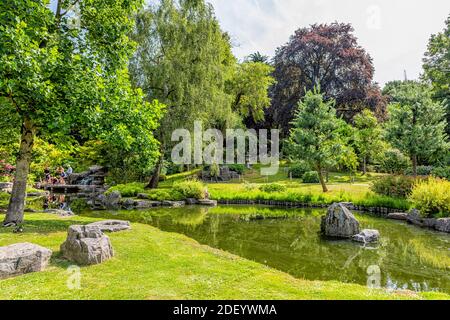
327	56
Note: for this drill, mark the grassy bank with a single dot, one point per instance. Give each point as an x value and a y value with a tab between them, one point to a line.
359	194
151	264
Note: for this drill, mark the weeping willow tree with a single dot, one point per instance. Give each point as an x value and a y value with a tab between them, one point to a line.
184	60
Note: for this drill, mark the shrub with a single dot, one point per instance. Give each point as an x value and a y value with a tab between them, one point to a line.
239	168
272	187
441	172
79	205
128	190
299	169
190	189
394	186
393	161
421	171
432	197
161	195
311	177
249	186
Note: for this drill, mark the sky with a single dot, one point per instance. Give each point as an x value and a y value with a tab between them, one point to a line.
394	32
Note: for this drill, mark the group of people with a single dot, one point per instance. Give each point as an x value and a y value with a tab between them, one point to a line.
60	176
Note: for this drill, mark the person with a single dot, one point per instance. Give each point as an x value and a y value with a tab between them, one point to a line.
69	170
47	176
62	176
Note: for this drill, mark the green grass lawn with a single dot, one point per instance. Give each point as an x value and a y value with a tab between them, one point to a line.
151	264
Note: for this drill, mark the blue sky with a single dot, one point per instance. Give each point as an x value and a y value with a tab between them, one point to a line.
394	32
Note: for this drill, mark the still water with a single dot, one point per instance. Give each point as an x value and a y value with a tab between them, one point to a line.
407	257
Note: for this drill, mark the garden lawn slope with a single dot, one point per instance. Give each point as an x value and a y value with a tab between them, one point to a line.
151	264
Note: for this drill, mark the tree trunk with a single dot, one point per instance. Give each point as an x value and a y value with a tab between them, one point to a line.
14	216
414	163
322	181
154	181
364	165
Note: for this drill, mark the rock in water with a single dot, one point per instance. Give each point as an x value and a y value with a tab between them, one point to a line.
367	236
18	259
339	222
398	216
112	225
87	245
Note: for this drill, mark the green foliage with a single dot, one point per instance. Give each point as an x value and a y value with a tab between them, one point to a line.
299	169
239	168
162	194
190	189
394	186
436	67
441	172
393	161
432	197
315	134
272	188
421	171
416	123
128	190
311	177
367	135
214	170
249	87
183	59
79	205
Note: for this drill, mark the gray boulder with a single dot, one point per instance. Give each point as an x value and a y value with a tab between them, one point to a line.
18	259
339	222
173	204
59	212
367	236
414	217
112	200
112	225
398	216
87	245
207	202
443	225
145	204
128	204
191	201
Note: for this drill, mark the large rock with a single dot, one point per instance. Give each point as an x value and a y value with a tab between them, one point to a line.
87	245
21	258
339	222
367	236
112	225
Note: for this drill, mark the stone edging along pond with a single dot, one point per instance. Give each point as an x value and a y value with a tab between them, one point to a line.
442	225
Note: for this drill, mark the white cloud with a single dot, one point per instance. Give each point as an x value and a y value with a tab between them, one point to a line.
394	32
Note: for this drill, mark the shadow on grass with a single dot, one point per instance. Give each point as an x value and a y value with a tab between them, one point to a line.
45	226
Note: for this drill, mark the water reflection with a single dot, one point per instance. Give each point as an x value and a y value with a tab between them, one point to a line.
289	240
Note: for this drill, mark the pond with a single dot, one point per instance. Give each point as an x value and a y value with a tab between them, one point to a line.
289	240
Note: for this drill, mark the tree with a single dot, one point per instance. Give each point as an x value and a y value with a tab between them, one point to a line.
367	136
437	67
329	56
258	57
58	75
314	136
416	124
183	59
249	87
